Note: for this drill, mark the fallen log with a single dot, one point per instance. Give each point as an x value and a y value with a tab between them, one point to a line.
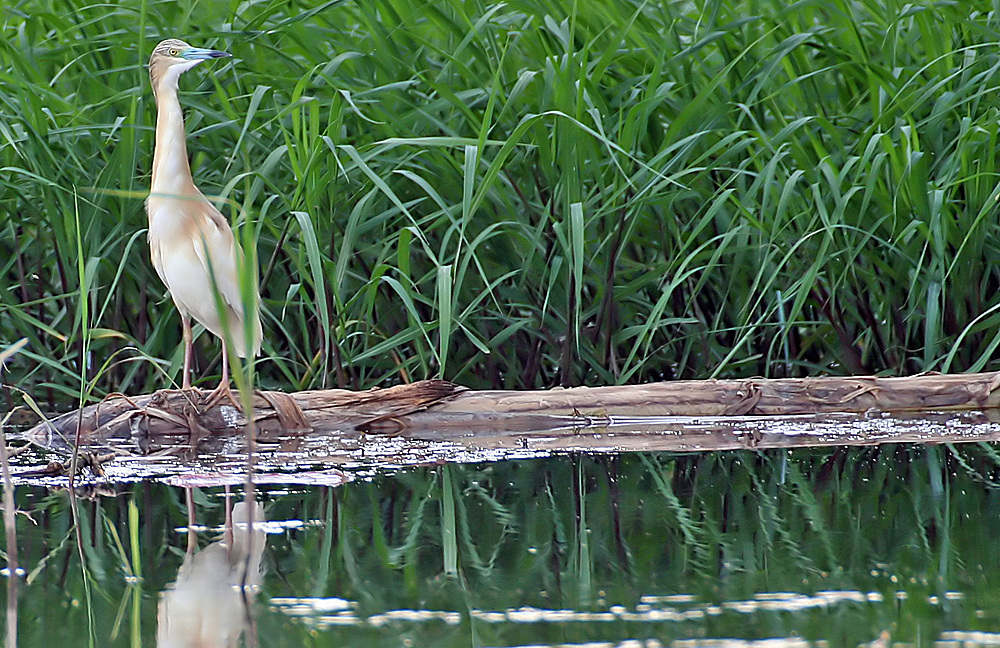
170	417
442	410
754	396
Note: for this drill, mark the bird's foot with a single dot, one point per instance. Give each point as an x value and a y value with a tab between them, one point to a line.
220	394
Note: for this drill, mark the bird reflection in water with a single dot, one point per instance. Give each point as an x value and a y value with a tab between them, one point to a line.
209	605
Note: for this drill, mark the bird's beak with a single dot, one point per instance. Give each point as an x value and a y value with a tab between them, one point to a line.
200	54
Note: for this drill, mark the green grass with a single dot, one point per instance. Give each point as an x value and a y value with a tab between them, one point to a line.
515	195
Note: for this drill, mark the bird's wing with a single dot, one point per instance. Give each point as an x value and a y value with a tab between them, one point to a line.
156	258
225	254
218	252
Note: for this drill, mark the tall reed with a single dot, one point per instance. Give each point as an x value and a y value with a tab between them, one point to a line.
516	195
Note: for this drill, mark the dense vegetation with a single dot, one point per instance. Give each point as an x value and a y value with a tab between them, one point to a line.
521	194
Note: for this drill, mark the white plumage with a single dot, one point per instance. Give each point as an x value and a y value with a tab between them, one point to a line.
191	244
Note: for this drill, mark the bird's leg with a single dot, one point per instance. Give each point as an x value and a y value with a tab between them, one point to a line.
222	391
225	365
188	350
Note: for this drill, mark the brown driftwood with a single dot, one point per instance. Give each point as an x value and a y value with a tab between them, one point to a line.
174	416
436	409
757	396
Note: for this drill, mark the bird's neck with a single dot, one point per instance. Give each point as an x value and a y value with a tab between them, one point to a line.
171	170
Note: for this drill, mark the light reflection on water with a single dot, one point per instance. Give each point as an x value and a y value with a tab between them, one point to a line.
968	639
324	612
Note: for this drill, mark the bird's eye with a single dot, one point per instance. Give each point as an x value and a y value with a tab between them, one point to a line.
172	52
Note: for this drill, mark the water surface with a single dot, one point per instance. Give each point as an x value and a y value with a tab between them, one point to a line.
895	544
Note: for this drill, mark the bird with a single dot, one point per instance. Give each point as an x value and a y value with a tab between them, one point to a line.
191	244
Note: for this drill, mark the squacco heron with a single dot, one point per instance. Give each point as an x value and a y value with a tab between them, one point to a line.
191	244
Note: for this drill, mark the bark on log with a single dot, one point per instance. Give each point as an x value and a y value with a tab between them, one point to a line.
441	410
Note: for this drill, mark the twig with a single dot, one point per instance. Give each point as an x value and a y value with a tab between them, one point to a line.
9	519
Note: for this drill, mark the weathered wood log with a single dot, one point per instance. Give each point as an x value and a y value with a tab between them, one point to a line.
755	396
170	417
439	409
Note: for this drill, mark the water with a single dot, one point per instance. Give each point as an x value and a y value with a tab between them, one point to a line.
836	546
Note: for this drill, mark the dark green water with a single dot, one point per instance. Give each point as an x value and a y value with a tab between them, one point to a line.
826	547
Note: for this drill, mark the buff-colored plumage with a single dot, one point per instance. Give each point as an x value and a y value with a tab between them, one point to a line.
190	242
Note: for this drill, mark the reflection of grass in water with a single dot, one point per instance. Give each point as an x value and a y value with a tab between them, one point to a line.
764	522
720	527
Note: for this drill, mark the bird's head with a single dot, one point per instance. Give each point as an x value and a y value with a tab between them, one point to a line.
173	57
